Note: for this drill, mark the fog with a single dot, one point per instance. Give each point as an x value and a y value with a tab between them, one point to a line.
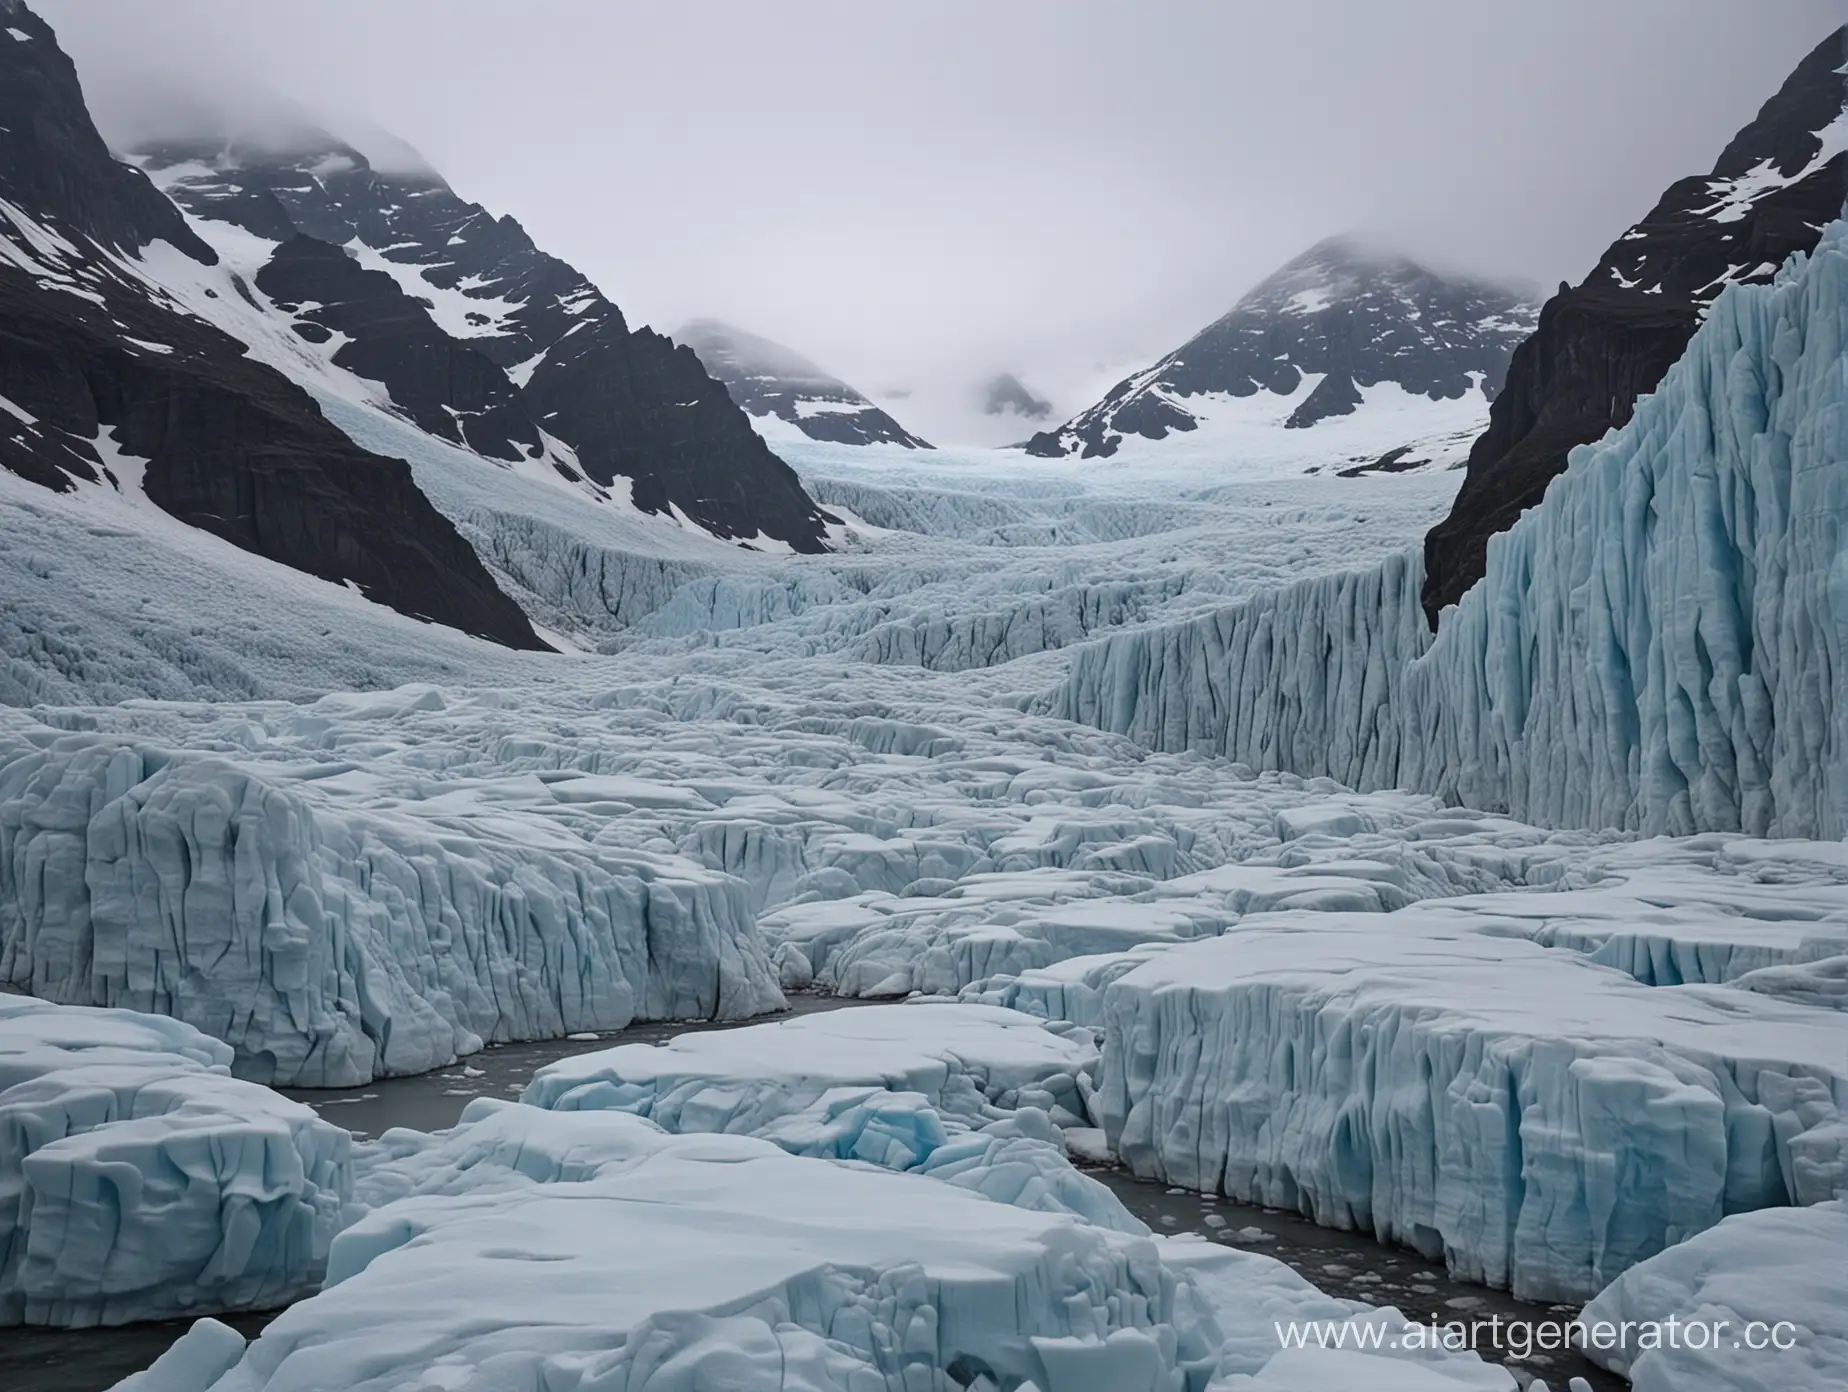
920	196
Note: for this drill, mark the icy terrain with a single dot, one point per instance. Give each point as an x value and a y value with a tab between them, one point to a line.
1541	1121
1777	1280
624	1257
1659	647
1545	1054
139	1180
972	1095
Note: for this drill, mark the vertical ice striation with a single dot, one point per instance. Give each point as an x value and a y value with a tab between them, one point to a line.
1309	677
1540	1121
331	943
139	1180
1659	646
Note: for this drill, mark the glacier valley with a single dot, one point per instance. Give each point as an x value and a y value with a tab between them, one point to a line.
1525	945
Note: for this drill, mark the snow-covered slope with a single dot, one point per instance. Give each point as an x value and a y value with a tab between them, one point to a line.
111	381
1660	645
779	387
637	413
1608	340
1342	359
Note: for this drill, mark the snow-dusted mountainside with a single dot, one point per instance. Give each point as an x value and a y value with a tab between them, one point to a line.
108	381
1608	340
777	384
634	412
1336	361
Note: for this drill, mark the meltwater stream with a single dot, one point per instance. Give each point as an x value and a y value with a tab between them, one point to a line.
1349	1265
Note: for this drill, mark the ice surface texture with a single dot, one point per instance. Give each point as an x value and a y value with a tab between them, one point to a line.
968	1094
590	1250
1659	646
1540	1121
331	942
1754	1267
139	1180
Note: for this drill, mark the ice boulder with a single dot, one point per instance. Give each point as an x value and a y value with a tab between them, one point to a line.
1539	1120
1760	1301
970	1095
1257	1299
972	1063
140	1180
592	1250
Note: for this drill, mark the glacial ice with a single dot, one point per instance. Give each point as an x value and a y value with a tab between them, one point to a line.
967	1094
591	1249
1658	646
1251	1295
1759	1269
333	939
139	1180
845	773
1540	1121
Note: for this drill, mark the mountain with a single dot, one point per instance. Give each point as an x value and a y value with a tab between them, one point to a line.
632	412
1608	340
107	379
1007	395
769	381
1391	352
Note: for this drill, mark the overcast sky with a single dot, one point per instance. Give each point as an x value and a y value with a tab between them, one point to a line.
920	194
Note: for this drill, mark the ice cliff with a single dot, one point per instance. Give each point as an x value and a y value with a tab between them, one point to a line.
330	942
139	1180
1659	646
1540	1121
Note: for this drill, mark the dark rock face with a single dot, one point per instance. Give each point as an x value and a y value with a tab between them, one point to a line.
1608	340
1007	395
445	386
53	162
231	446
631	404
767	379
1355	317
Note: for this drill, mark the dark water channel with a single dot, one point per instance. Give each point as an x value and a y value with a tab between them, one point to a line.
1343	1264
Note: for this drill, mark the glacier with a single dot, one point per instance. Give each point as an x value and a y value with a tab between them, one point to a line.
1657	646
625	1257
622	1257
1771	1276
349	844
972	1095
328	942
140	1180
1539	1120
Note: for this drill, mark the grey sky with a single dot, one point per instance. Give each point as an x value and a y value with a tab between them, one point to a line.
916	195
